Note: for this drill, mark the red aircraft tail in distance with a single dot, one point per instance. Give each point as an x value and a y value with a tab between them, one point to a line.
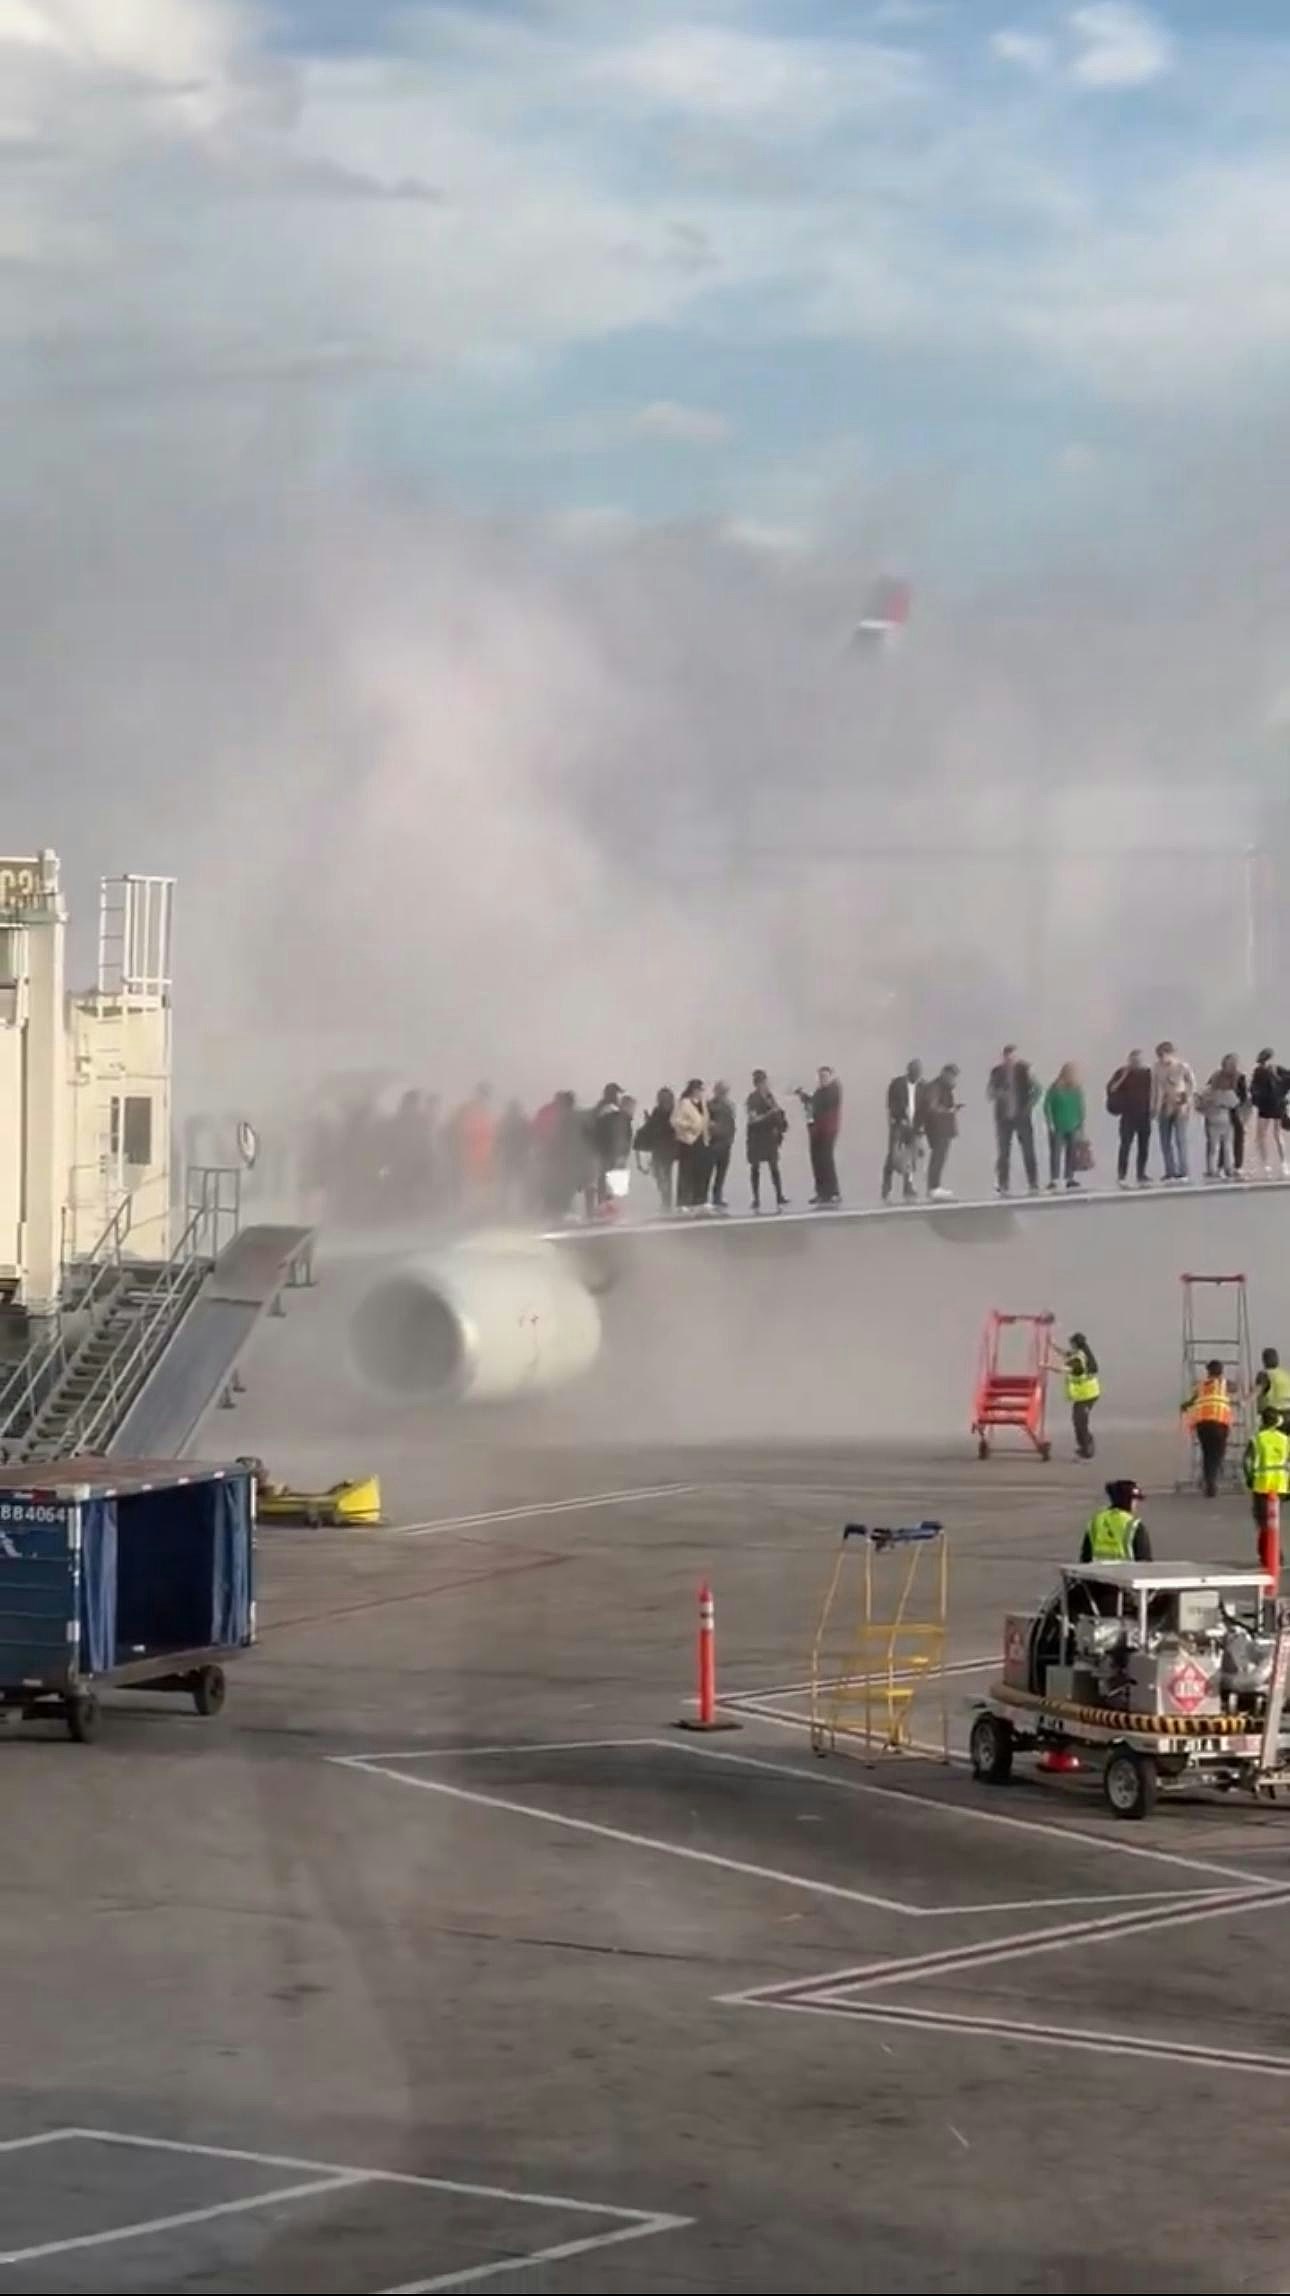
886	612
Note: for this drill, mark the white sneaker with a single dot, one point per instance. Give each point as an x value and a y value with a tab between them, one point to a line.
941	1196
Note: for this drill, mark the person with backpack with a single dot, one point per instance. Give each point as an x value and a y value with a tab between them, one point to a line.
1128	1098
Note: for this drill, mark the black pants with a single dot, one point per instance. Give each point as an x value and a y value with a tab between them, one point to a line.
662	1168
1238	1140
755	1169
1211	1441
1081	1418
939	1141
824	1166
720	1161
1134	1130
1019	1128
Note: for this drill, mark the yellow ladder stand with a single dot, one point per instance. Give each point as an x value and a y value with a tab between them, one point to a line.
869	1664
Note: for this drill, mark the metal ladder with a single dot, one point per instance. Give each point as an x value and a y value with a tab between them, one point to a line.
1232	1348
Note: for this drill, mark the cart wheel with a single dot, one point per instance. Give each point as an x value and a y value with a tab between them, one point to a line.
313	1520
84	1715
1045	1452
982	1448
1130	1783
990	1747
209	1688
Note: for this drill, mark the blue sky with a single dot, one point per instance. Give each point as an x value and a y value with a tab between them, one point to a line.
947	265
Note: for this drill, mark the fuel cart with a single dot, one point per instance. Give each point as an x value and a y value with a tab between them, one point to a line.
1147	1675
116	1575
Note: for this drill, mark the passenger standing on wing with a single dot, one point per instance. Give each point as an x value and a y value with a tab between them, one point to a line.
1218	1103
1269	1085
722	1122
1012	1093
1064	1112
1128	1097
903	1095
656	1140
824	1122
767	1125
939	1120
1117	1533
1083	1388
1209	1415
690	1126
1173	1095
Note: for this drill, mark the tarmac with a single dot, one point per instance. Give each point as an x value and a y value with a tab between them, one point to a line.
443	1958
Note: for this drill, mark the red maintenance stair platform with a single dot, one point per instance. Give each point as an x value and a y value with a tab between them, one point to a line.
1012	1380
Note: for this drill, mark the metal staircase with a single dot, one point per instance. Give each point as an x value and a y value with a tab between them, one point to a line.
85	1407
70	1393
90	1286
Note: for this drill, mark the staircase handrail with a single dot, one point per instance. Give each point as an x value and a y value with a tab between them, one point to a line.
40	1369
106	1401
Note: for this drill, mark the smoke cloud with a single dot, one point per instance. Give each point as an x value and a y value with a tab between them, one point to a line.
545	800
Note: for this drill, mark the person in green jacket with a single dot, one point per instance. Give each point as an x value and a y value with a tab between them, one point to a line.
1064	1111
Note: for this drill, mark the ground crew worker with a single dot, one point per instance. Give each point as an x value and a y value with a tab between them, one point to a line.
1272	1387
1209	1415
1267	1475
1083	1388
1117	1533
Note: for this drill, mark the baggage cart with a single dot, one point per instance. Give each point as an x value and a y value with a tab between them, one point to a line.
115	1575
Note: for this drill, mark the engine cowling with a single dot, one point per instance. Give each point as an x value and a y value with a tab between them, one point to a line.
489	1318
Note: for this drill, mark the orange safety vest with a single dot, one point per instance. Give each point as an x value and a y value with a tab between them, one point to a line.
1211	1404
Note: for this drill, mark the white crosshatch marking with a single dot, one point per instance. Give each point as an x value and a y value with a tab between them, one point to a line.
311	2179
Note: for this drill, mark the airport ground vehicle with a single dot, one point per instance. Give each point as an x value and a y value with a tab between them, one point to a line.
116	1576
1149	1674
356	1503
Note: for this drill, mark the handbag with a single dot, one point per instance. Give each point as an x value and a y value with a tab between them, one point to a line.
1082	1154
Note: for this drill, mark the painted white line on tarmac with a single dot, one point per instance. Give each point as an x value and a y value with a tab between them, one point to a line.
149	2227
976	1816
515	1746
627	1839
567	2248
843	1985
1092	2042
328	2177
535	1508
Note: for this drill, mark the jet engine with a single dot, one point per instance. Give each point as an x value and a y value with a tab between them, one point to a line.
481	1321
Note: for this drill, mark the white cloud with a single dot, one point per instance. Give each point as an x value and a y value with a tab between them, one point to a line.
683	425
1118	46
1029	51
709	72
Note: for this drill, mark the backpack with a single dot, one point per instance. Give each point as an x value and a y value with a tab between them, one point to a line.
1115	1094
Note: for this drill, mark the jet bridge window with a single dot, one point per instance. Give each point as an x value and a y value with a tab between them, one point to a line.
131	1128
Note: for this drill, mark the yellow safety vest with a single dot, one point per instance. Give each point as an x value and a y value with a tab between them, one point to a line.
1110	1536
1268	1460
1277	1389
1082	1385
1211	1404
